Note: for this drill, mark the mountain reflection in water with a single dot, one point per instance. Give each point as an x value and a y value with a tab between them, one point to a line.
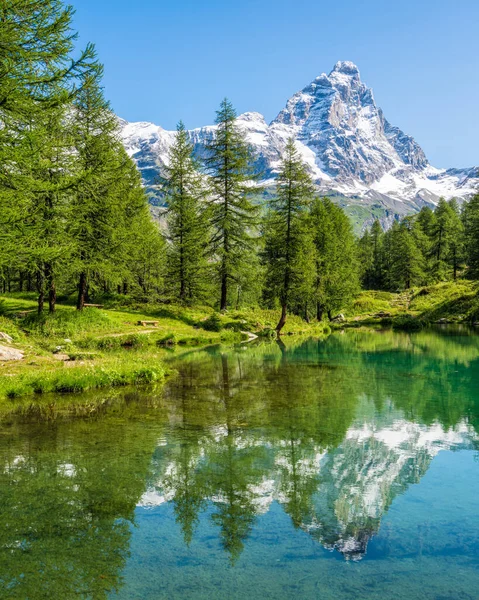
330	432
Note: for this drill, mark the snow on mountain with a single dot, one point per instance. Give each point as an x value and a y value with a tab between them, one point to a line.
352	151
356	481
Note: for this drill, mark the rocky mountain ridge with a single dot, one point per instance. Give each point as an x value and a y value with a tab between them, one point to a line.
372	168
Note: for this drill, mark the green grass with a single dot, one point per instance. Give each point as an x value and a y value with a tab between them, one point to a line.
115	373
451	302
107	347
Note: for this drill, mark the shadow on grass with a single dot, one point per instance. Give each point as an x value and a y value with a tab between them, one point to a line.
463	306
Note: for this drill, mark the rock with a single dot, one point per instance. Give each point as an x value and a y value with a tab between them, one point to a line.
5	337
249	335
58	349
10	354
62	357
67	341
338	319
442	321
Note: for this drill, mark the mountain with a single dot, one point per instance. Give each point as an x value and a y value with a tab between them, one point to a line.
370	167
342	494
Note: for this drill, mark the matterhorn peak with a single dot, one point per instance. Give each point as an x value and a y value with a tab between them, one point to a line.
346	67
349	146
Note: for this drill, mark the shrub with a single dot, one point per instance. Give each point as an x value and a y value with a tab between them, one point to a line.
212	323
407	323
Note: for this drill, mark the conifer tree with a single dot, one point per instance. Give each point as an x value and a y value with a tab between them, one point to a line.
371	257
406	260
441	237
288	242
232	215
337	272
37	81
471	235
455	255
101	169
185	193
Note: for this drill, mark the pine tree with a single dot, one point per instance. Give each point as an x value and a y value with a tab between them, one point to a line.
288	242
185	193
455	256
441	237
101	169
471	235
370	254
366	259
37	81
337	270
232	215
406	262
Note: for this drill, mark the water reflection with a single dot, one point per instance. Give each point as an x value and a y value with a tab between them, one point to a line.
331	431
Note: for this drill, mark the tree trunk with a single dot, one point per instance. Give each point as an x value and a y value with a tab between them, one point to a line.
81	292
224	291
52	292
41	292
238	297
125	288
330	315
282	320
319	312
306	315
52	297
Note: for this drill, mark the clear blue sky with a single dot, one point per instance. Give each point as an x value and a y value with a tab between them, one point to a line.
167	60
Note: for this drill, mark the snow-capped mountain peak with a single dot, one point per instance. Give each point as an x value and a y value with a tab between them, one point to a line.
343	136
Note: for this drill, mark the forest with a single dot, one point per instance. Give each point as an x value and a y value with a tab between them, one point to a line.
75	222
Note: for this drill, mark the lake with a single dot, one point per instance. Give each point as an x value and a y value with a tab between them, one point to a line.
342	468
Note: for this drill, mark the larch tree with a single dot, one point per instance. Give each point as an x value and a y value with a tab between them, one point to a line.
37	82
185	195
288	242
470	218
232	214
100	169
336	265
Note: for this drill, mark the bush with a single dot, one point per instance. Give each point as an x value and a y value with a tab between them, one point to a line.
407	323
212	323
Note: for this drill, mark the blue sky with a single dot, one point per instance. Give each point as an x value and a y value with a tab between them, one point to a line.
172	60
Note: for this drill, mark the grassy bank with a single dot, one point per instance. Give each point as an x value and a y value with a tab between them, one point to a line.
447	302
76	352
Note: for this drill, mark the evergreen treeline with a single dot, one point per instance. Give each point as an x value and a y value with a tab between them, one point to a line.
73	214
426	248
74	217
299	254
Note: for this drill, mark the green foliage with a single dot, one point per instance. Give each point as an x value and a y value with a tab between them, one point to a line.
232	214
289	250
336	266
408	323
470	217
185	192
212	323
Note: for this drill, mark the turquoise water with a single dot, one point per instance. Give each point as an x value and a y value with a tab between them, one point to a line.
342	468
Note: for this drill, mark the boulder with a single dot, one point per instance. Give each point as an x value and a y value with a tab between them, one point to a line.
10	354
338	319
5	337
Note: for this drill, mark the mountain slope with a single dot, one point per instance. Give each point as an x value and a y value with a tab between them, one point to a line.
355	155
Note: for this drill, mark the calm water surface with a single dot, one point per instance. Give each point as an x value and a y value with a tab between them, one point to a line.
344	468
